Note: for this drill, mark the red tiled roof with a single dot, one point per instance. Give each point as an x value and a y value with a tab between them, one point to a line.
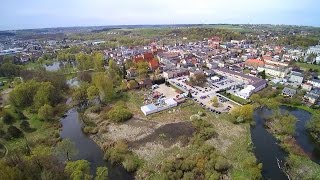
254	62
154	64
148	56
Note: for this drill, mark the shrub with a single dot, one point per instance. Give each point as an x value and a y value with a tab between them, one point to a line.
90	130
14	132
7	118
45	112
119	113
131	163
95	109
195	117
200	113
222	164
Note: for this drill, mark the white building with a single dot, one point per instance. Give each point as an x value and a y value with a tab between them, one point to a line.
314	50
274	71
163	105
315	82
246	92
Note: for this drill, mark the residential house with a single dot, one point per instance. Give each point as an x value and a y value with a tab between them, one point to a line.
146	83
313	96
296	77
255	63
315	82
288	92
306	86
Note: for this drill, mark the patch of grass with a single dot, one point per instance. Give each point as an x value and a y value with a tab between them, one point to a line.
307	66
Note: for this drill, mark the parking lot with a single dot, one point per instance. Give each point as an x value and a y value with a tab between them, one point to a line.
168	92
204	95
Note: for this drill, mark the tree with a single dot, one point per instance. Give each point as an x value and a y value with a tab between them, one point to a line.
215	102
245	112
119	113
142	69
114	72
44	95
98	60
66	149
78	170
101	173
198	79
46	112
23	94
105	85
80	94
262	74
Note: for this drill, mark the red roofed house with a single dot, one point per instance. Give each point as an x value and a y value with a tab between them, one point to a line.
148	56
153	64
254	63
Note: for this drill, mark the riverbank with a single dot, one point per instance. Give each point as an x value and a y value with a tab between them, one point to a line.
294	139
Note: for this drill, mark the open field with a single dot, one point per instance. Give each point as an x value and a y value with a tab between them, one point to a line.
160	133
307	66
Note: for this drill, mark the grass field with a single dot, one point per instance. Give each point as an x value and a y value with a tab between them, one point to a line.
307	66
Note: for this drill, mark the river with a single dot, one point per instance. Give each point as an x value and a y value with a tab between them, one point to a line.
266	146
87	148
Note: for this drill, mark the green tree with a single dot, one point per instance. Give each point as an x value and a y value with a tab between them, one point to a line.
66	149
101	173
80	94
245	112
44	95
119	113
105	85
215	102
78	170
23	94
46	112
142	69
98	60
114	72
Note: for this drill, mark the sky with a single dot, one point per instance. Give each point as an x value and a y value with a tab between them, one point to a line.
29	14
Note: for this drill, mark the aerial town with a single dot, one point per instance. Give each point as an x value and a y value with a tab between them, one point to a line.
154	106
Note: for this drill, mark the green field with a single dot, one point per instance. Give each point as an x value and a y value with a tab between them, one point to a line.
307	66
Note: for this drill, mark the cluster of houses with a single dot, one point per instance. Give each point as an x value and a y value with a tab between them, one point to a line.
240	60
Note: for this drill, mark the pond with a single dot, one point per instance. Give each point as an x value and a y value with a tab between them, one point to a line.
55	66
87	148
266	147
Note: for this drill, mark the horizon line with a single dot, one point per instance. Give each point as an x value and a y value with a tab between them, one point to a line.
178	24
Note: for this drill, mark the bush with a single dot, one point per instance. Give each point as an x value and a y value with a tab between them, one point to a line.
8	118
90	130
222	164
131	163
95	109
195	117
119	113
14	132
45	112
